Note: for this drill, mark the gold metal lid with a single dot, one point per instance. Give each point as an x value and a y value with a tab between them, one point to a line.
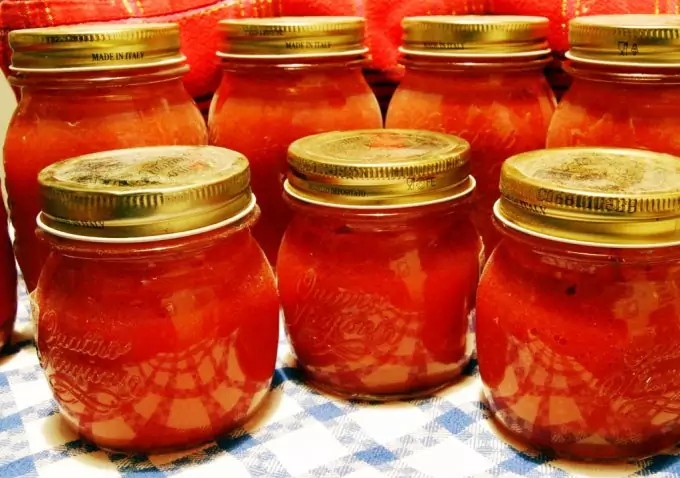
292	37
383	168
626	40
95	47
593	196
476	36
145	194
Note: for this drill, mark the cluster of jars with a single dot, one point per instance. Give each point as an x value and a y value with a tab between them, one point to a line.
157	310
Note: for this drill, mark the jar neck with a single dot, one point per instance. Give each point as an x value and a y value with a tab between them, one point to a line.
238	231
246	65
440	215
621	74
66	80
474	65
528	249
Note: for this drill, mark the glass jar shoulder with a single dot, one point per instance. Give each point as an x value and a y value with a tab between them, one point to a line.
299	103
474	103
373	246
599	113
51	125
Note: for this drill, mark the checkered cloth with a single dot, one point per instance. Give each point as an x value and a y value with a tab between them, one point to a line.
299	432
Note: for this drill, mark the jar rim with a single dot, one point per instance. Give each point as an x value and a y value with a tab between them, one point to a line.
503	219
464	190
618	73
145	239
470	63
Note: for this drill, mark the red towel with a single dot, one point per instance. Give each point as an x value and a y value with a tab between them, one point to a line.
561	11
197	19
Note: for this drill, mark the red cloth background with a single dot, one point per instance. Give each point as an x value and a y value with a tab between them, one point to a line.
198	18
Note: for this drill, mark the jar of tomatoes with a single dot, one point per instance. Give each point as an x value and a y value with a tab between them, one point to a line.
86	89
8	283
157	312
378	268
283	79
626	84
578	309
481	78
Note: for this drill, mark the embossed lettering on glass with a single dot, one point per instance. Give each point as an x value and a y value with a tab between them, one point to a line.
157	312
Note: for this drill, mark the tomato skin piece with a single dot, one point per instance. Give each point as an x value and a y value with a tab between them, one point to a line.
577	346
500	114
260	111
158	346
377	305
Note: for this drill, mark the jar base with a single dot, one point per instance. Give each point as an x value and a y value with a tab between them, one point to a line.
451	379
180	447
589	453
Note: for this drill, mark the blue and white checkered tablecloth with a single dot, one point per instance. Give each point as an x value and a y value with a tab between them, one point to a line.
298	433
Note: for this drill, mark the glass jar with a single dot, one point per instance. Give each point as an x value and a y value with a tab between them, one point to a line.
626	84
578	309
378	268
99	88
157	312
480	78
283	79
8	283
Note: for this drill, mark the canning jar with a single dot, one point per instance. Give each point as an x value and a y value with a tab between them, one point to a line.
578	309
283	79
626	84
379	265
480	78
86	89
157	312
8	283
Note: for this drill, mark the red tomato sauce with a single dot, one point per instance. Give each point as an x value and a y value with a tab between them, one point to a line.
160	345
377	304
578	346
53	123
261	111
611	113
499	114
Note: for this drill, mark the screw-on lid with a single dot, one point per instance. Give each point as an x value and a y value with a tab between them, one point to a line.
382	168
476	36
292	37
626	40
142	194
593	196
95	47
